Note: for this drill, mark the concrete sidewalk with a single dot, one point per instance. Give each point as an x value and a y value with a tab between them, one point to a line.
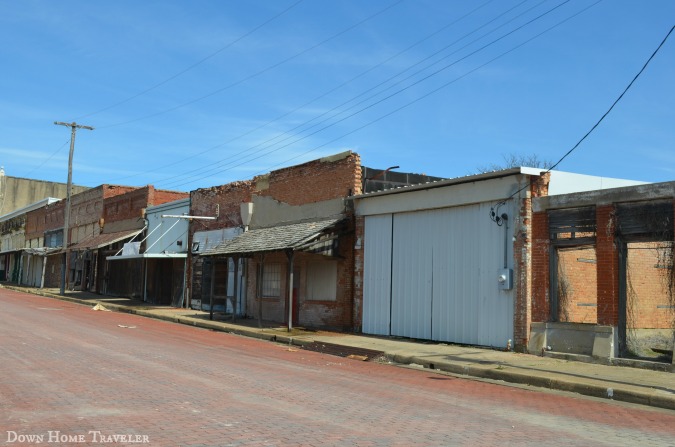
635	385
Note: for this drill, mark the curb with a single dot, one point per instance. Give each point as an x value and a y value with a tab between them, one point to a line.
653	398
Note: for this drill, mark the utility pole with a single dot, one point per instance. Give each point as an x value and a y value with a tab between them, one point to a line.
66	219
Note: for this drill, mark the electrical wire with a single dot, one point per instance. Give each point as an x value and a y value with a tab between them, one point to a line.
190	67
569	152
223	163
408	87
436	89
220	165
49	158
315	99
258	73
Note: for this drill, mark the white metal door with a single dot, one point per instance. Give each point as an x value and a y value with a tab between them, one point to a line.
412	285
468	305
377	275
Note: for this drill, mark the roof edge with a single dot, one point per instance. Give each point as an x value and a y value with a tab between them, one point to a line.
454	181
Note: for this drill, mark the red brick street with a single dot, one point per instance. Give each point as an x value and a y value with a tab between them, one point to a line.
73	376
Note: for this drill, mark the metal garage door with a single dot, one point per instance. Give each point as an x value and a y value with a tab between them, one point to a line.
377	275
442	267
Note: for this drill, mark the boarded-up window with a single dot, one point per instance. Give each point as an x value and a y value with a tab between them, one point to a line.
322	281
272	280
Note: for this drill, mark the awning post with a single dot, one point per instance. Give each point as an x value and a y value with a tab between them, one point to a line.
213	283
227	281
290	254
259	288
236	288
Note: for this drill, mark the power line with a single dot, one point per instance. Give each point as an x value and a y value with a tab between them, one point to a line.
615	102
217	169
49	158
190	67
630	84
225	162
258	73
321	96
380	118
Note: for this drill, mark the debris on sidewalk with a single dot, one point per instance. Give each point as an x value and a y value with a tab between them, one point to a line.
127	327
100	307
363	358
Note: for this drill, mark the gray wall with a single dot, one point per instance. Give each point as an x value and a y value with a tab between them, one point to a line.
18	192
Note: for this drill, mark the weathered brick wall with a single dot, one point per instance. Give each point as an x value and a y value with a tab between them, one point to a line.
54	215
577	279
129	205
649	279
35	223
160	196
221	201
312	182
53	271
608	266
525	261
359	261
315	181
540	267
116	190
132	204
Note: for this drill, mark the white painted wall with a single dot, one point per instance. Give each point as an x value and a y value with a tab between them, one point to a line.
568	182
165	232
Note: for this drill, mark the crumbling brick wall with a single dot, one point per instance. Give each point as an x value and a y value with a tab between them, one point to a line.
312	182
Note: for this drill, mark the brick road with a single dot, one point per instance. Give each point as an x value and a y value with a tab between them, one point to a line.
66	371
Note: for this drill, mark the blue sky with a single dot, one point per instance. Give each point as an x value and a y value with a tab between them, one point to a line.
186	95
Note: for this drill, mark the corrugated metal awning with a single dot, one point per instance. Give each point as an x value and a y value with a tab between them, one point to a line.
104	239
281	237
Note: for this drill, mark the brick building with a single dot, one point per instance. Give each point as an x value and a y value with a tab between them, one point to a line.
603	270
85	224
452	260
102	219
300	223
21	239
122	220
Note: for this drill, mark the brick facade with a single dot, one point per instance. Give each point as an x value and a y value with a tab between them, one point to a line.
589	277
359	261
578	279
125	210
35	225
541	245
649	277
607	267
314	182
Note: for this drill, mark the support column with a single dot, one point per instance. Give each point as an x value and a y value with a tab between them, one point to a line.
213	284
290	254
236	288
259	287
607	267
227	281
